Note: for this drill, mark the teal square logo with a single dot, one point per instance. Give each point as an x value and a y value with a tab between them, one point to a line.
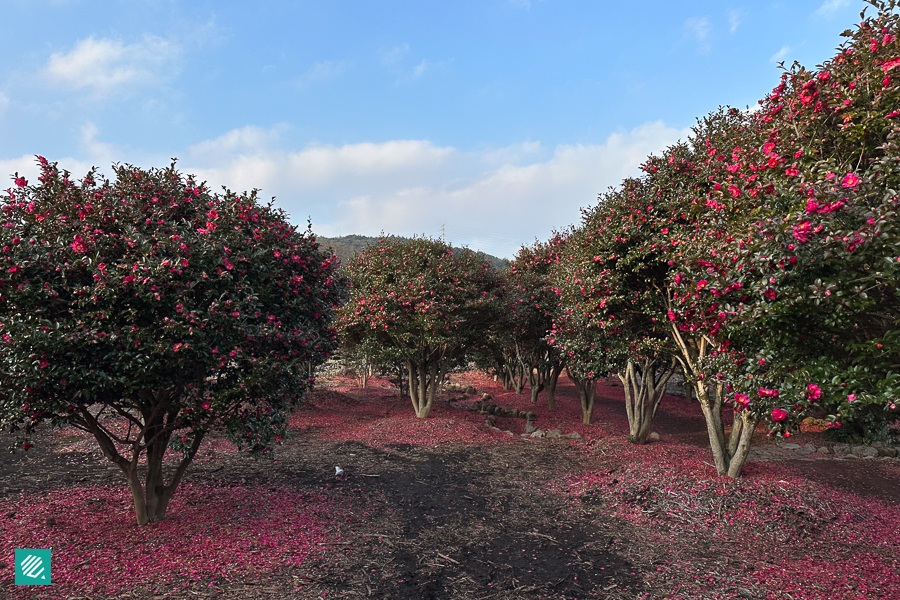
33	567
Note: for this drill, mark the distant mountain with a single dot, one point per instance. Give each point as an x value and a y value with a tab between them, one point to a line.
348	247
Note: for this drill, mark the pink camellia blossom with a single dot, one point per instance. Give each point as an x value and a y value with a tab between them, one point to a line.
850	180
767	393
21	182
792	172
701	284
44	363
890	64
802	231
778	414
205	405
78	245
851	397
836	425
813	392
770	294
742	399
671	315
184	262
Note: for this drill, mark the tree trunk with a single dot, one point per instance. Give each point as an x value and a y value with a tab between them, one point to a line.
424	379
555	372
587	389
151	500
643	392
518	377
729	455
537	378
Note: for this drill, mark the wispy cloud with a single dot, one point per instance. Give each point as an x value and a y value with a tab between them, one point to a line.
420	69
107	66
414	186
520	4
698	29
4	103
324	70
780	55
734	21
830	7
394	55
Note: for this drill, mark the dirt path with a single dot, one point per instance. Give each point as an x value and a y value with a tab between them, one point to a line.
478	518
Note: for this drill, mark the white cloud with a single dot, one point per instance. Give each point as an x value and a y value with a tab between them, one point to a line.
493	200
99	153
4	103
779	56
394	55
830	7
698	29
27	167
734	21
325	70
105	66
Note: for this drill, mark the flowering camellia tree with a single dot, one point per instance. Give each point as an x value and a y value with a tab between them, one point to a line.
612	282
531	303
793	292
149	311
424	304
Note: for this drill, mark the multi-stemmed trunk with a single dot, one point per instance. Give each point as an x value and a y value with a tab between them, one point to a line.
556	369
425	376
516	375
537	379
587	390
729	452
151	497
645	383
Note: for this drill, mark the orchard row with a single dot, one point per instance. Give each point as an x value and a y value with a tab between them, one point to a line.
759	257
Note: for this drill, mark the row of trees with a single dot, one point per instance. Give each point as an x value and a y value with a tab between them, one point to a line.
759	258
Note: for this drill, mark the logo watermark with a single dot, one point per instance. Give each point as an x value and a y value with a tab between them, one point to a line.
33	566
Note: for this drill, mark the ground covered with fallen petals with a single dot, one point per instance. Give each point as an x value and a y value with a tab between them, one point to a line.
450	507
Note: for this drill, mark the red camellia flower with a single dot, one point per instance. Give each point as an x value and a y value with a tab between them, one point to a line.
701	284
850	180
21	182
767	393
778	415
802	231
205	405
813	392
770	294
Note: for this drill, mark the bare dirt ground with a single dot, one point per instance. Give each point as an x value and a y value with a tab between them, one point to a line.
452	509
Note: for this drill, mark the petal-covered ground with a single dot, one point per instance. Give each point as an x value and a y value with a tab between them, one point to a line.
449	507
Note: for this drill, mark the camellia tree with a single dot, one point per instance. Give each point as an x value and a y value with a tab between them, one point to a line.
531	304
423	303
793	292
149	312
613	283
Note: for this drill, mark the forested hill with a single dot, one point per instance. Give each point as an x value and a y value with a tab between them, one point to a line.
348	246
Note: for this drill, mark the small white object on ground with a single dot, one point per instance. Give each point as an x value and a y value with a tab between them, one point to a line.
338	471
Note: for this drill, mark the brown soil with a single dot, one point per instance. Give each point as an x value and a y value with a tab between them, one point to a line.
450	521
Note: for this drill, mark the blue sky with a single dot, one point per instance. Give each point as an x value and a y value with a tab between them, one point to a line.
494	119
